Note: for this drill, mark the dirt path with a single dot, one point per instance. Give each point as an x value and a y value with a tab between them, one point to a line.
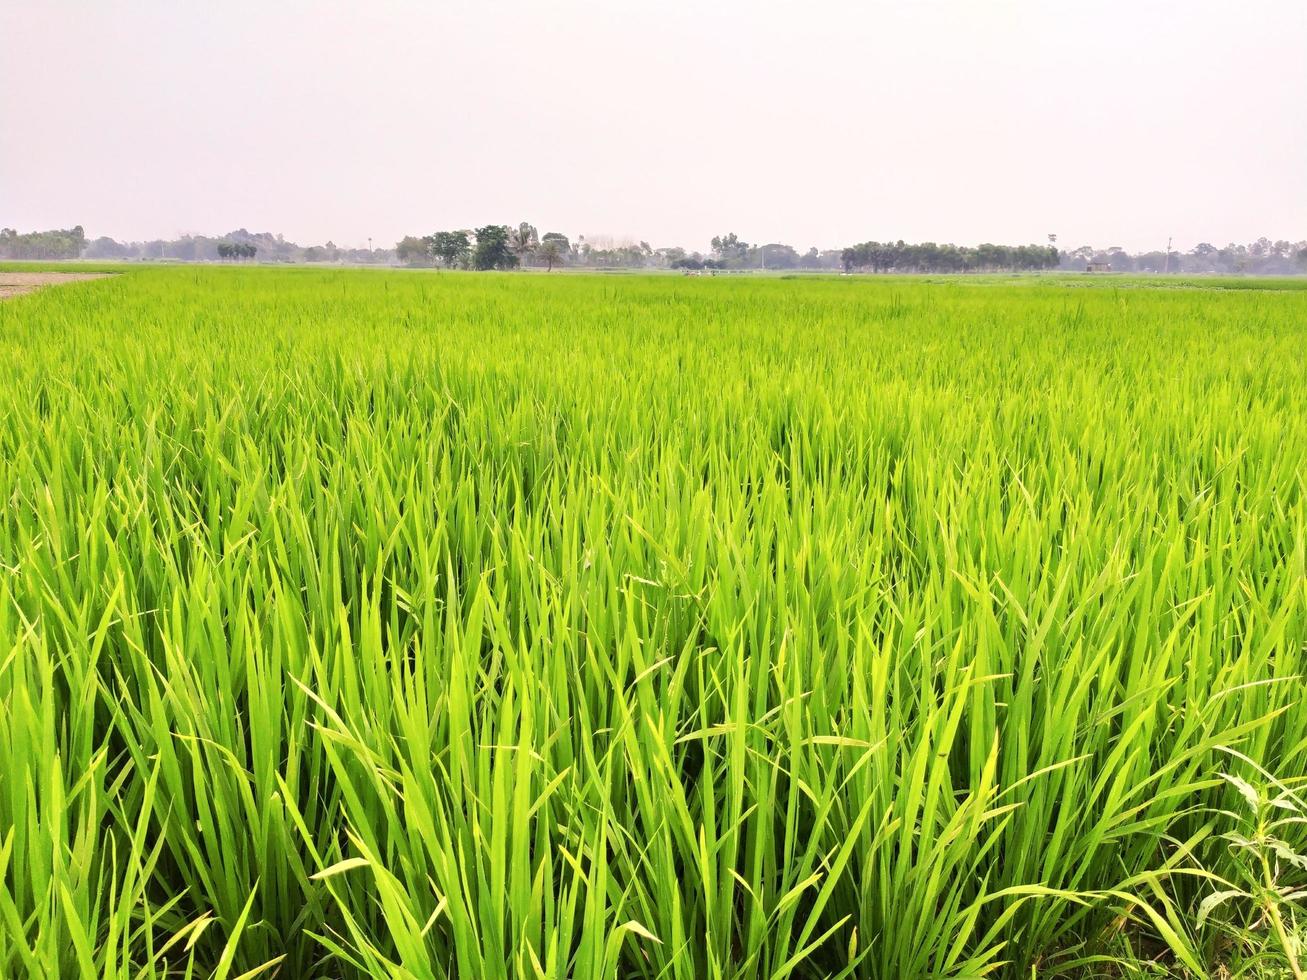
18	283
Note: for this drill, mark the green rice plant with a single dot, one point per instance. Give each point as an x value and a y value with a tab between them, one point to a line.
421	625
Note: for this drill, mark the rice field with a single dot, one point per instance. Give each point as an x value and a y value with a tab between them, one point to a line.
414	625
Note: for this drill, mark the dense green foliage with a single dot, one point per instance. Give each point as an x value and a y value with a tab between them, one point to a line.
237	250
929	257
64	243
415	625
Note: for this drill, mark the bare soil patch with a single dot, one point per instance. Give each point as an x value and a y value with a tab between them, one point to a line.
18	283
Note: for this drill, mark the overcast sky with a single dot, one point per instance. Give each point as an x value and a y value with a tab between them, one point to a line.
1108	122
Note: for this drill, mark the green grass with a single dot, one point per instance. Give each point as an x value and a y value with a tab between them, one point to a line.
8	265
372	624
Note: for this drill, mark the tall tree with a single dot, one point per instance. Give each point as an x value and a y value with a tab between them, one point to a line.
451	248
523	240
777	256
550	251
411	250
492	248
559	238
729	247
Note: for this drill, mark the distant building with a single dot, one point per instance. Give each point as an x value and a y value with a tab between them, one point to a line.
1099	267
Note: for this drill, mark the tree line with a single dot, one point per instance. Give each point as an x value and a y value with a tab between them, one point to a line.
522	246
929	257
59	244
1260	258
268	247
497	246
510	247
484	248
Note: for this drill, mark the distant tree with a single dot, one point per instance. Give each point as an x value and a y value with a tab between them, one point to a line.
729	247
550	251
184	249
1119	258
625	256
233	250
411	250
523	240
106	248
451	248
65	243
666	256
1302	258
777	256
558	238
1154	261
929	257
492	249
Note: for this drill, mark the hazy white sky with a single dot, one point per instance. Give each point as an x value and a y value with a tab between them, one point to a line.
1110	122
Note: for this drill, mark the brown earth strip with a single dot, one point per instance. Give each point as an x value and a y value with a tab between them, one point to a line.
18	283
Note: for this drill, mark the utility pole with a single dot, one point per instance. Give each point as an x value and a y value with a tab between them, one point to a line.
1166	268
